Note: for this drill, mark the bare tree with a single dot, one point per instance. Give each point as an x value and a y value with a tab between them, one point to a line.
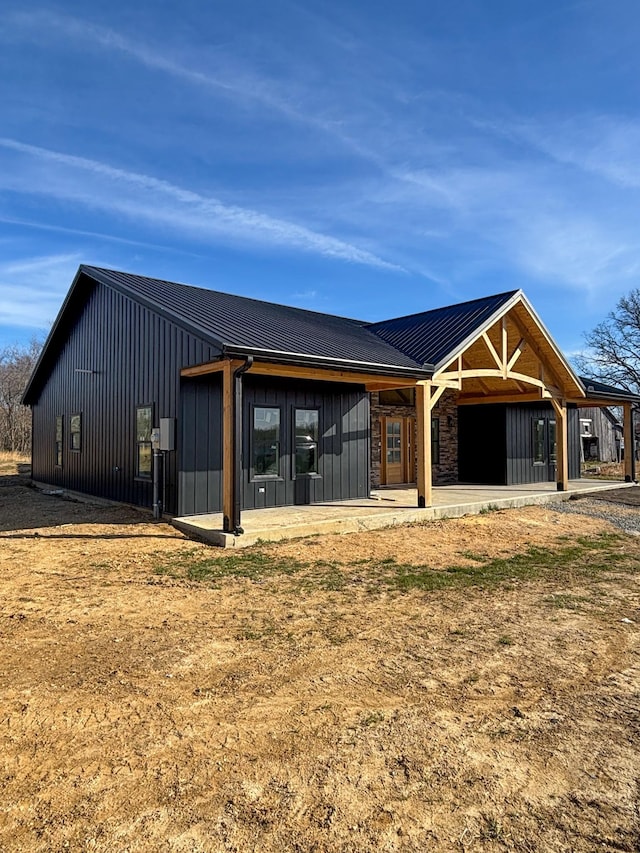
613	356
16	365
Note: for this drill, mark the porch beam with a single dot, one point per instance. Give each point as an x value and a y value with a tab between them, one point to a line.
387	386
629	443
291	371
493	373
475	399
423	440
441	382
595	404
562	444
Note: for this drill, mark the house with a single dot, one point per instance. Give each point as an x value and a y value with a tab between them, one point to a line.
194	401
600	435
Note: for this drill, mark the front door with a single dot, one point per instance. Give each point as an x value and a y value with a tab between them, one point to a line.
545	447
397	451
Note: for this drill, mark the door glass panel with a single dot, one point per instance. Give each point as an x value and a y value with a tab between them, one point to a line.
394	442
306	435
553	445
539	455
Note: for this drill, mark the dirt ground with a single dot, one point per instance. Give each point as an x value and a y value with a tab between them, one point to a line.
146	712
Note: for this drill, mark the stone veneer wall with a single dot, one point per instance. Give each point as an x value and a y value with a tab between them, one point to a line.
446	411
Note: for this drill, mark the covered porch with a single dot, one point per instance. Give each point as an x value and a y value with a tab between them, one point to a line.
385	508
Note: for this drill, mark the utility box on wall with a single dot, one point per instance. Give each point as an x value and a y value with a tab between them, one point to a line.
167	434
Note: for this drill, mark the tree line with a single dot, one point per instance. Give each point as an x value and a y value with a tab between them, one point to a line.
16	365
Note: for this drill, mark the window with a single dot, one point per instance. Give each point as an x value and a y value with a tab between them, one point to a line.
394	441
75	432
398	397
553	445
306	441
435	441
539	450
144	425
59	438
266	442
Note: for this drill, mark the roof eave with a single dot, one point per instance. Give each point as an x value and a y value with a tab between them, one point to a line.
329	362
27	397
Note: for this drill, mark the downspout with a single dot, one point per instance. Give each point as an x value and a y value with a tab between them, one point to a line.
237	444
157	480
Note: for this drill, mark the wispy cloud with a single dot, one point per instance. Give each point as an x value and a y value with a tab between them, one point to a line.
604	145
99	236
31	289
232	80
144	197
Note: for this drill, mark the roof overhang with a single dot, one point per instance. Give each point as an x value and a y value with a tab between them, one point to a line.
292	366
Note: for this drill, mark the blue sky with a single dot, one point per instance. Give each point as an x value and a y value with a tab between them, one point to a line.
366	159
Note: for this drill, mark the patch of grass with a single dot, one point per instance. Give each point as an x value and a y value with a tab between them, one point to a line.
492	829
473	555
489	508
255	565
586	556
255	633
372	719
566	601
505	640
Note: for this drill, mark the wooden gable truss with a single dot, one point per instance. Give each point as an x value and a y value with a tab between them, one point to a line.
511	359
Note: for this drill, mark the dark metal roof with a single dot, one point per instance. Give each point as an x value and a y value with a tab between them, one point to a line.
431	336
596	389
237	323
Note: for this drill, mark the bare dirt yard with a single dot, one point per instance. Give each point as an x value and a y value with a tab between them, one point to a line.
465	685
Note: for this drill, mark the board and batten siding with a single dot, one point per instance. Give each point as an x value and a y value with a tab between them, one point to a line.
135	357
520	464
496	444
200	451
343	451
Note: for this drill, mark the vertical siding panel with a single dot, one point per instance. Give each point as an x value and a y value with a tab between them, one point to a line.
138	357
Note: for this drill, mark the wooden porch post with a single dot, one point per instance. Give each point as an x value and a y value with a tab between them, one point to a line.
629	443
562	444
227	445
423	438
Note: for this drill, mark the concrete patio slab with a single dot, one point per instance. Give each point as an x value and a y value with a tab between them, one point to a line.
387	507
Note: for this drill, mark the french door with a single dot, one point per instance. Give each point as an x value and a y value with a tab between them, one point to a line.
398	454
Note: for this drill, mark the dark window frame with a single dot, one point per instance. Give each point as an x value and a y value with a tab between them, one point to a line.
253	476
539	442
143	477
313	475
59	442
77	432
552	439
435	441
